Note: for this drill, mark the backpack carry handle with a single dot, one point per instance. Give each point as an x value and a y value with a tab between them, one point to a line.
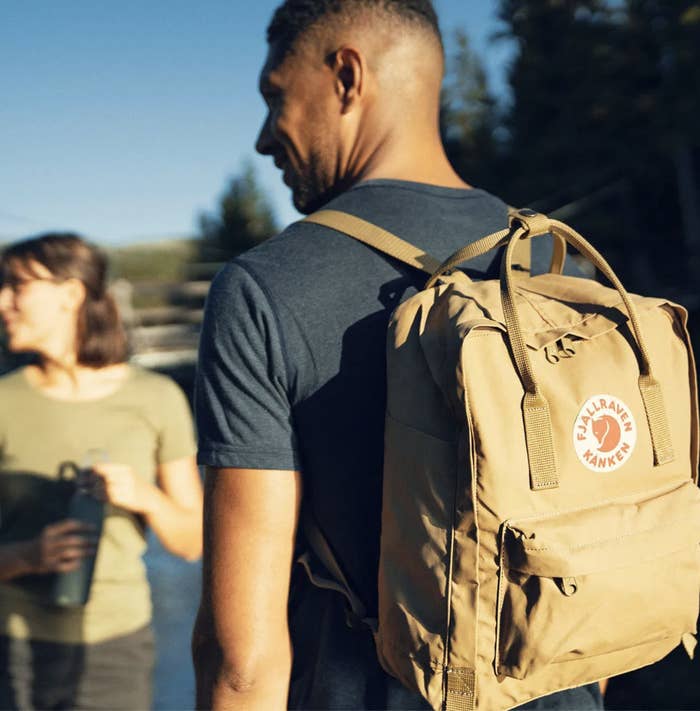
527	224
538	427
536	417
649	387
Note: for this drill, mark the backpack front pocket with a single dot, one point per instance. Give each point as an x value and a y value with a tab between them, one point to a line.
592	581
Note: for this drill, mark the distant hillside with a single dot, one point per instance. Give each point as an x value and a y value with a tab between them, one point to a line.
167	260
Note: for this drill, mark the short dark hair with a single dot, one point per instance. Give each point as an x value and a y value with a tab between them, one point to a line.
294	17
101	339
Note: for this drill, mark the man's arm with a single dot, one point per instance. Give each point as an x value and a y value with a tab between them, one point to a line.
241	647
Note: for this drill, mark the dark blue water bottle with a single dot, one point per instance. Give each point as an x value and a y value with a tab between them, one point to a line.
72	589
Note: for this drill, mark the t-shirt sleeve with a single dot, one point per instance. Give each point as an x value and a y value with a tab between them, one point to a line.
242	403
176	438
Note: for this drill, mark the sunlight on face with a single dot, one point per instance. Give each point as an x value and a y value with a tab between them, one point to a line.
301	130
32	307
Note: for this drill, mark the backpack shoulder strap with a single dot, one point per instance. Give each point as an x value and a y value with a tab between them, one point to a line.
388	243
376	237
321	548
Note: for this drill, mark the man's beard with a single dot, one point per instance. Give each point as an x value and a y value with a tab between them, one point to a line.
308	200
311	191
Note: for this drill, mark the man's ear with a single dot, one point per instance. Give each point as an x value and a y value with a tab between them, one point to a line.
350	69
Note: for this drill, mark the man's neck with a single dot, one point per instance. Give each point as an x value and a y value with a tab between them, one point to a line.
427	175
418	159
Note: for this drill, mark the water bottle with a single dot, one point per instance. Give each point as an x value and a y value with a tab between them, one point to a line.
72	589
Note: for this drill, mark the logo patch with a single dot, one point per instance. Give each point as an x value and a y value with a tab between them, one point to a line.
605	433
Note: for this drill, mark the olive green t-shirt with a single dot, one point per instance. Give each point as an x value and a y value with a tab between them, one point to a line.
144	423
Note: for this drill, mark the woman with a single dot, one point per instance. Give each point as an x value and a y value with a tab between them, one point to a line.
80	404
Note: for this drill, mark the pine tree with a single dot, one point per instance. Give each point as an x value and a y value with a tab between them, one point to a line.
244	219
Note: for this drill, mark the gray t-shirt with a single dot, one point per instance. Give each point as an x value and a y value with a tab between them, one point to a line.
291	376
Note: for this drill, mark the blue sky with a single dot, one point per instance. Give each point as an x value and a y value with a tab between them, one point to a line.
123	120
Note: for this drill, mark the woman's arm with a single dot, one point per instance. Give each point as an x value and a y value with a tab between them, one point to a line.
14	560
176	511
173	509
57	549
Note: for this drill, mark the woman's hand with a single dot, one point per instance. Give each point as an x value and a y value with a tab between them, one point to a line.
119	485
60	547
173	509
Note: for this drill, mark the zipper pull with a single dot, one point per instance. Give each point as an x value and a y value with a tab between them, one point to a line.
561	348
566	347
550	354
568	586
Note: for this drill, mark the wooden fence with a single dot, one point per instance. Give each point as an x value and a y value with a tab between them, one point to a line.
164	335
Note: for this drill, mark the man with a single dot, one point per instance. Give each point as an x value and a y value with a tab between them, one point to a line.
290	390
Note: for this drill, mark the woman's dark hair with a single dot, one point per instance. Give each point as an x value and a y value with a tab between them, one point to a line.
101	336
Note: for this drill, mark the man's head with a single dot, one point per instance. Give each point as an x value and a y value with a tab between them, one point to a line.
349	85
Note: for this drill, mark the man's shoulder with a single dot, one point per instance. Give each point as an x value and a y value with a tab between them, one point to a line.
262	266
420	213
296	257
413	208
306	256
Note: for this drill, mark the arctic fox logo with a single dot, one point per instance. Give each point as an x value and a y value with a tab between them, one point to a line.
604	434
607	431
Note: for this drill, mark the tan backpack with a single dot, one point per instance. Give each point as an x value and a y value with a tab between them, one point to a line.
541	515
